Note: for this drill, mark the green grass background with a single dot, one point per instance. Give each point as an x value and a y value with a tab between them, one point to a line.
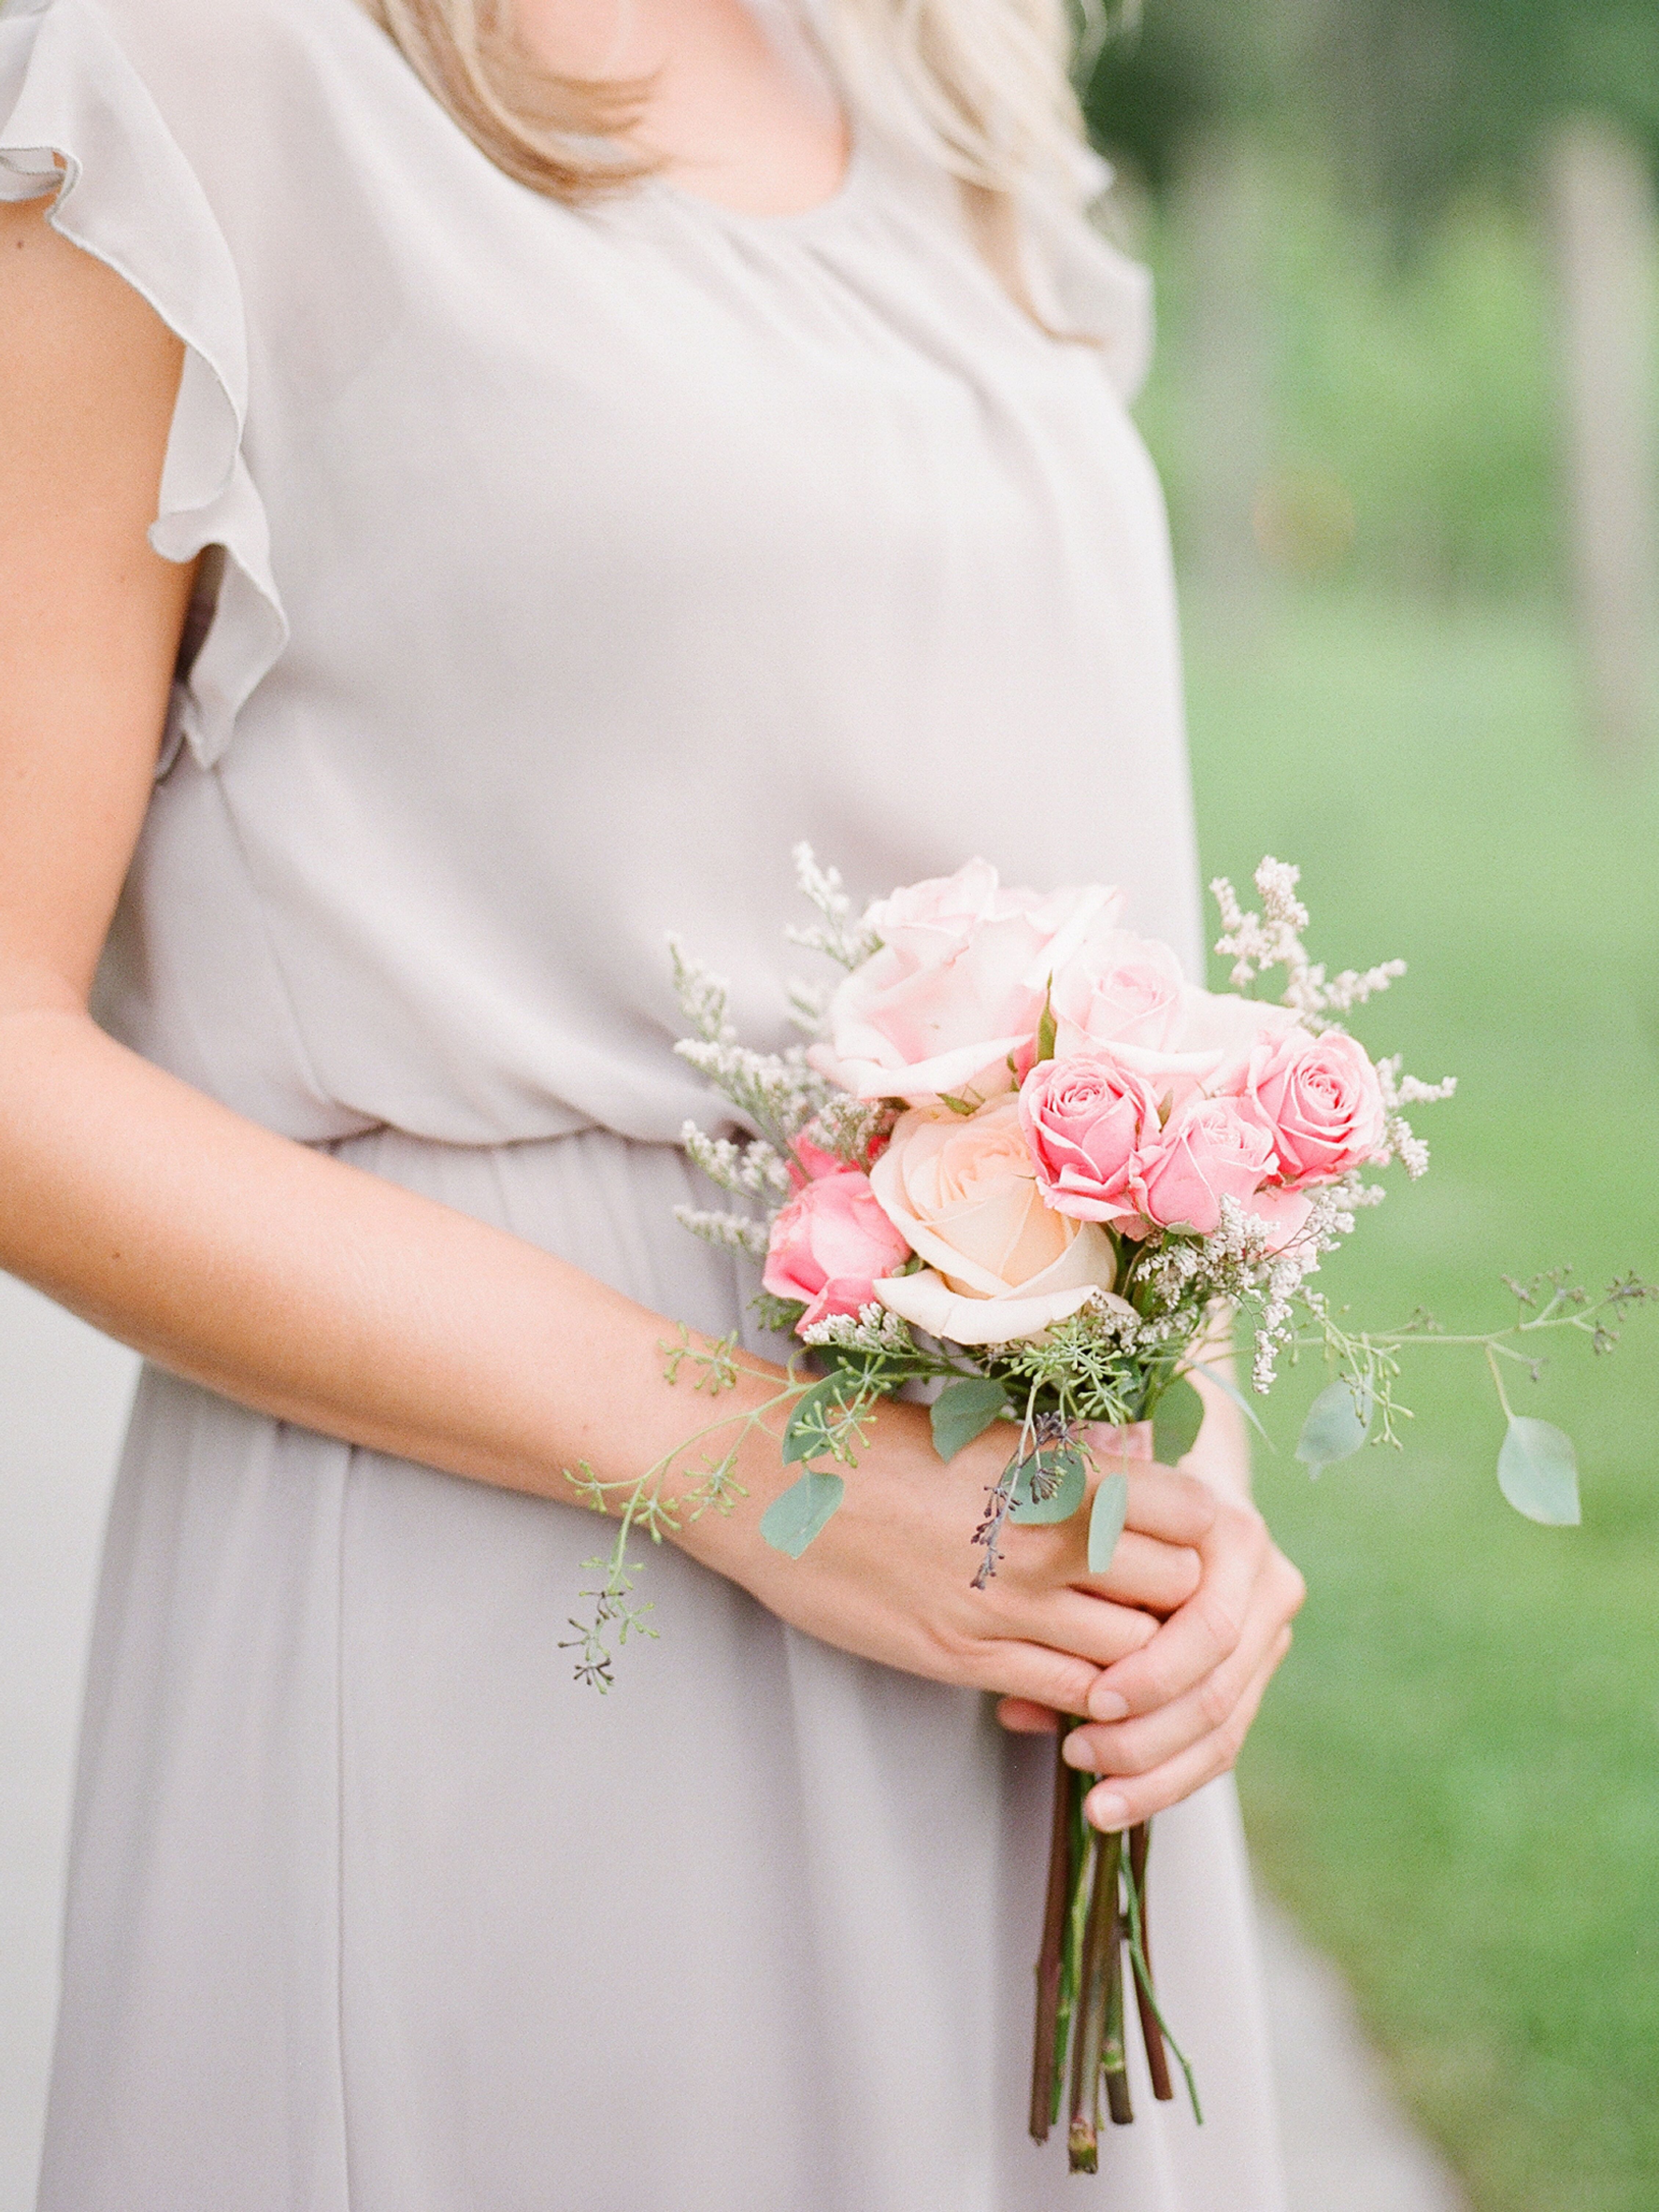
1455	1783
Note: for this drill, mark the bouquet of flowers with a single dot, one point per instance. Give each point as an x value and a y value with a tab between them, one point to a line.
1022	1168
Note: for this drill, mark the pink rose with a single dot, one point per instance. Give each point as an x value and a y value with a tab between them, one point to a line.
1284	1212
829	1245
1087	1121
1210	1149
1322	1100
809	1160
1118	989
955	987
962	1192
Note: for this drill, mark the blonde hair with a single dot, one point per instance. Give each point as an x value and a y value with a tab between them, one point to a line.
979	84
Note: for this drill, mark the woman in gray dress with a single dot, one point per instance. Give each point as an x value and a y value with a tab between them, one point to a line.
467	503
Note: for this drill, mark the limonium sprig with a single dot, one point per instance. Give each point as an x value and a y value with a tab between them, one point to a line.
754	1170
1257	943
835	933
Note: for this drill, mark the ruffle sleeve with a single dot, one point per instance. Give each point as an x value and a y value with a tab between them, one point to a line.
77	121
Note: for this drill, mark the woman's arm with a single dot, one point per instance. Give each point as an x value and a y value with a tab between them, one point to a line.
306	1288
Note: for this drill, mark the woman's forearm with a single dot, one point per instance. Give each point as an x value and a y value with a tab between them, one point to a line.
306	1288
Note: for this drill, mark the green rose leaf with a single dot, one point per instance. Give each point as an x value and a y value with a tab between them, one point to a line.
1177	1419
804	1436
1106	1520
1050	1485
790	1522
1336	1426
1538	1472
965	1410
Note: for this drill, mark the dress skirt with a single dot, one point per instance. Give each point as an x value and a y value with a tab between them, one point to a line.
373	1909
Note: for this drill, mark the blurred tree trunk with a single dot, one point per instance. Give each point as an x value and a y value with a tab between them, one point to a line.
1601	210
1221	211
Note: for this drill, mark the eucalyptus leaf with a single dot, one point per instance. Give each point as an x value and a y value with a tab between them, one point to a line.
964	1410
1177	1419
1538	1472
1106	1520
1336	1426
803	1437
1050	1485
790	1522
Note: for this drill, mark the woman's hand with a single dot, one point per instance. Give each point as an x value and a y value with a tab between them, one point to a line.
890	1576
1171	1715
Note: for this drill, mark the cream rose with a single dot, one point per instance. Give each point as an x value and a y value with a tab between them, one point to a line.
962	1191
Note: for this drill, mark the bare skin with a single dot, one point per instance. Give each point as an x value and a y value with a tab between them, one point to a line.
315	1293
736	119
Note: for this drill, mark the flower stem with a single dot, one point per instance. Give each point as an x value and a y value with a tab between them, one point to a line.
1497	1384
1114	2063
1143	1975
1083	2137
1158	2059
1076	1929
1045	2054
1092	2025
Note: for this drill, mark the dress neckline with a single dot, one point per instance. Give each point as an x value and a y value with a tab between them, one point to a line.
848	191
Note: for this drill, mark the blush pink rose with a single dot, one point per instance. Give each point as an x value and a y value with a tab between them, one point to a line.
1284	1212
830	1245
1227	1023
976	894
1087	1121
955	987
1321	1096
1000	1265
1117	989
809	1161
1216	1032
1210	1149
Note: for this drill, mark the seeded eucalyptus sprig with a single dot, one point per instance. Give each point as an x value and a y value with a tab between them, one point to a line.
824	1417
1537	1464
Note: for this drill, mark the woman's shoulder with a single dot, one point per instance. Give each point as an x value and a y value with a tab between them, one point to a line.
250	159
157	125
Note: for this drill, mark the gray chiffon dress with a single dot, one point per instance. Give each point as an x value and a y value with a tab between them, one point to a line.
563	569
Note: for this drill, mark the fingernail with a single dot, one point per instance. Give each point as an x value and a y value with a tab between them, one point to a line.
1106	1706
1106	1809
1078	1751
